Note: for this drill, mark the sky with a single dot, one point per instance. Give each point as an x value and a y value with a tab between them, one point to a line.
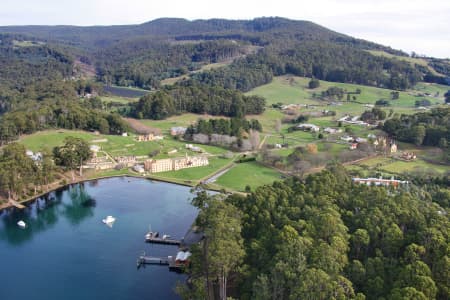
410	25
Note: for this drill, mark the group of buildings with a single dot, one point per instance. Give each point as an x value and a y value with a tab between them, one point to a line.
175	164
150	165
380	181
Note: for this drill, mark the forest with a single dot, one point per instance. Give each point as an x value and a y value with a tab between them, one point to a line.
190	96
323	237
425	128
142	55
236	133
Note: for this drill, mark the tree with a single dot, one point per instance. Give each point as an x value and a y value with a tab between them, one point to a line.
395	95
222	248
418	134
313	83
72	154
447	97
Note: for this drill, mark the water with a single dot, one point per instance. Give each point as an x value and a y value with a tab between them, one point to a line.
66	252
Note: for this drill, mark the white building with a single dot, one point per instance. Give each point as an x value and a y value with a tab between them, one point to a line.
308	127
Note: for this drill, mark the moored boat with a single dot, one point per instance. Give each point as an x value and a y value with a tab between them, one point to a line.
22	224
109	220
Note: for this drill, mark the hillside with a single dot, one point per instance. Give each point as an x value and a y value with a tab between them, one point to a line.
143	55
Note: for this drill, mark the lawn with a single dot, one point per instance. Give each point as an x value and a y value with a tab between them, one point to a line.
183	120
51	138
284	89
196	174
292	89
115	145
118	99
416	165
251	173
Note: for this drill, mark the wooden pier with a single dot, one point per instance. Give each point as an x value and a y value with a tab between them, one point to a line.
163	261
157	240
17	204
154	237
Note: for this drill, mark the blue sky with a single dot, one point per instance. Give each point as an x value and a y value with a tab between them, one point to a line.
410	25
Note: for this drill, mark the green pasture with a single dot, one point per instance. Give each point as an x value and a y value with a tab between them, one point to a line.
114	145
250	173
198	173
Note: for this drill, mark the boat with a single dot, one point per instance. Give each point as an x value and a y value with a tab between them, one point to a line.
109	220
166	236
22	224
152	235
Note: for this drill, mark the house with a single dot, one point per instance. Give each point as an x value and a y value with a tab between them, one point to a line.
278	146
175	164
393	147
361	140
193	148
158	165
353	146
292	106
308	127
124	134
177	130
148	137
379	181
36	157
128	161
330	130
408	156
139	169
189	162
94	149
347	138
182	258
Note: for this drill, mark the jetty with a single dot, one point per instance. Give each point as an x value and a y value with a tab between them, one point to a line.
154	237
157	260
17	204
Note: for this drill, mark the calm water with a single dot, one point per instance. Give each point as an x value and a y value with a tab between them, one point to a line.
66	252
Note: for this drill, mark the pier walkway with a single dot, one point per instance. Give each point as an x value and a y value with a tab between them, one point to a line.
17	204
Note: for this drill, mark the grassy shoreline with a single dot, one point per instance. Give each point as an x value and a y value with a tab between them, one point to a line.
102	175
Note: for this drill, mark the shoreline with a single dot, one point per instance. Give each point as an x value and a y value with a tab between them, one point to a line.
8	204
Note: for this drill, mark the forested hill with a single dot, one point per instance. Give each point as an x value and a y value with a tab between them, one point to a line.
252	52
259	30
143	55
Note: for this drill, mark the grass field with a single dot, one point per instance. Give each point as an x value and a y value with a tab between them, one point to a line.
393	166
251	173
122	100
196	174
292	89
113	144
416	165
183	120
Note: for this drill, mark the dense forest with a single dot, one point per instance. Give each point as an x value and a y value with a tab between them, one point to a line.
236	133
142	55
323	238
190	96
322	60
424	128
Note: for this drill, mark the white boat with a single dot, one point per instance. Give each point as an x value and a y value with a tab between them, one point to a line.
22	224
109	220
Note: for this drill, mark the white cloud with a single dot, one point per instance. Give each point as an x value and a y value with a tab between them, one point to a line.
419	25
